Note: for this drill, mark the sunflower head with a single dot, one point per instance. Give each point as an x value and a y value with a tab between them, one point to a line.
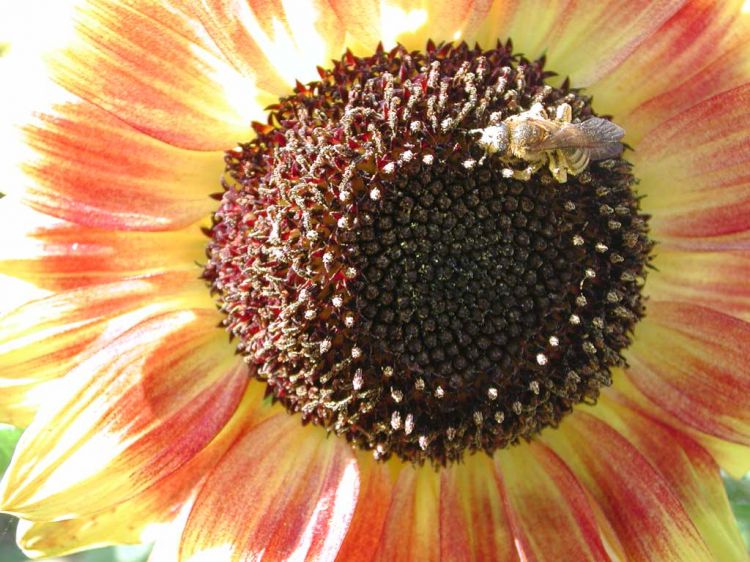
390	276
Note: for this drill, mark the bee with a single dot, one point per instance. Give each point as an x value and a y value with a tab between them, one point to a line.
566	147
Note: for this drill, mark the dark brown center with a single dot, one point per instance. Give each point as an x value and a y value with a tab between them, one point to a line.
392	279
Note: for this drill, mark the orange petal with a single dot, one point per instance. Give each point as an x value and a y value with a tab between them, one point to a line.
273	42
60	255
126	417
694	170
548	509
412	529
698	52
473	521
45	338
91	168
717	280
143	518
689	470
376	490
583	40
649	520
692	361
368	22
152	66
282	492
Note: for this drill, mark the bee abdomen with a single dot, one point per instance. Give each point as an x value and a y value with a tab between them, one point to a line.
577	160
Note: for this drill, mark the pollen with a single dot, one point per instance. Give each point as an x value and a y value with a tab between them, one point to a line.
397	277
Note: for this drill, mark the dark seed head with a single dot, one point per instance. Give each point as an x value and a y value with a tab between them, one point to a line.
389	283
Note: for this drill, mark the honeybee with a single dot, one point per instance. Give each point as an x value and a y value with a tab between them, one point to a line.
566	147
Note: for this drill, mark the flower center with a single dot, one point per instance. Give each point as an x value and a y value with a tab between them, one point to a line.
431	252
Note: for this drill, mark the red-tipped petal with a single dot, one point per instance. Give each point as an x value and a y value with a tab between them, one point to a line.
282	492
648	518
152	66
731	457
412	530
692	361
474	525
45	338
149	514
688	468
548	509
59	255
694	170
717	280
89	167
274	43
698	52
126	417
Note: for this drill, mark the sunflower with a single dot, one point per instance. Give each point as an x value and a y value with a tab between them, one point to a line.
305	290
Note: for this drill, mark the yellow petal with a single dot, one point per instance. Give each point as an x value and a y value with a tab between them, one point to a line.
89	167
731	457
368	22
376	490
692	362
697	53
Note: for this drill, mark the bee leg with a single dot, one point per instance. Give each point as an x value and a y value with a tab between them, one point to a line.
560	175
535	165
564	113
557	167
525	174
515	174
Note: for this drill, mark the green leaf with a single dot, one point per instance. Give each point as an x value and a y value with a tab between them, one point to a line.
739	497
9	436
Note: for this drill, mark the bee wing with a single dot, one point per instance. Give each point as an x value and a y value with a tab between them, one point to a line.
601	138
605	136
